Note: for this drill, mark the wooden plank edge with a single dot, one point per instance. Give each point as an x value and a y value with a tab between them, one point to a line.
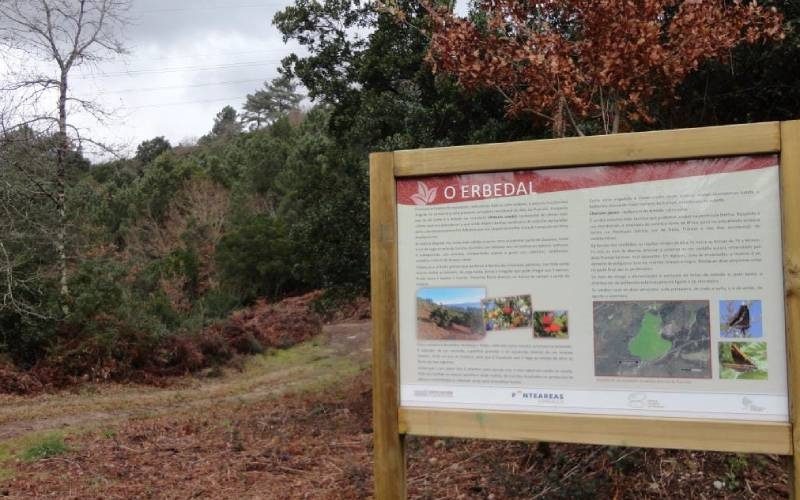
790	207
690	434
728	140
388	446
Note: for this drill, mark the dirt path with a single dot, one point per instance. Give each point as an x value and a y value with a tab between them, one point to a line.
342	350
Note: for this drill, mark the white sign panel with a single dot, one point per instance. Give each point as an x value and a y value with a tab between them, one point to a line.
648	289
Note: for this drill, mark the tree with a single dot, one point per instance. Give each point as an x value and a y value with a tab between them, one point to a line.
226	123
323	190
376	93
25	207
61	35
148	151
371	71
605	62
254	258
332	32
760	83
275	100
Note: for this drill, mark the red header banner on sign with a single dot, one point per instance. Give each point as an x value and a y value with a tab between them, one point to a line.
473	187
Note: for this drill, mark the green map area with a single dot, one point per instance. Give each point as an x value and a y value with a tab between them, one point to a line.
658	339
649	344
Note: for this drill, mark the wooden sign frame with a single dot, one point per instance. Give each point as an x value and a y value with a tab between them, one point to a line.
392	422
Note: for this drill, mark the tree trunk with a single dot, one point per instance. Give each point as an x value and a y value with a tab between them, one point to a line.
62	150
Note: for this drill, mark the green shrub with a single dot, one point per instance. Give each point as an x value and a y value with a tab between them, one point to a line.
217	303
49	446
25	339
442	317
254	258
97	289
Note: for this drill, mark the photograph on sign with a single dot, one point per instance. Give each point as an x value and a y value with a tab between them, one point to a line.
651	289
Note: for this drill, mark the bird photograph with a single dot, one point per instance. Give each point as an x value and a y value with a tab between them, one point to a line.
740	319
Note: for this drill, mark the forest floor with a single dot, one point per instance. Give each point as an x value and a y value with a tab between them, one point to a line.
296	423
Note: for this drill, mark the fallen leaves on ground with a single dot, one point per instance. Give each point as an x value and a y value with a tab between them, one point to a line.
318	445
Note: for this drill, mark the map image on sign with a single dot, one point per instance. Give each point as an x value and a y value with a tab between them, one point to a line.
663	339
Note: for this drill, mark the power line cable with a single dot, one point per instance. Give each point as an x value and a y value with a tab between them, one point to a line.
182	103
179	69
176	87
198	101
264	5
210	54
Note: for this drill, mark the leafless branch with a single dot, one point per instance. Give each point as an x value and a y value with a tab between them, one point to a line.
61	35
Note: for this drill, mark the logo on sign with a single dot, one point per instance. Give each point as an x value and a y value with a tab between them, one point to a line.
424	195
548	397
748	405
637	400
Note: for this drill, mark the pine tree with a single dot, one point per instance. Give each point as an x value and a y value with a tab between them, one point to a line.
275	100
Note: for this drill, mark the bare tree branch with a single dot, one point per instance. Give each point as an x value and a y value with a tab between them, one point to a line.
62	35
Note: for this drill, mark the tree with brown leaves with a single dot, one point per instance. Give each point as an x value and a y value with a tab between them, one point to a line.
595	65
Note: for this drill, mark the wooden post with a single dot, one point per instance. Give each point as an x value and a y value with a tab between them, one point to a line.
790	195
389	452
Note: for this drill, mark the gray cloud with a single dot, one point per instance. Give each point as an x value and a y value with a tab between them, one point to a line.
187	60
179	20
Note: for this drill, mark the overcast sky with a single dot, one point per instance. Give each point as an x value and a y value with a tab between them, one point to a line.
188	59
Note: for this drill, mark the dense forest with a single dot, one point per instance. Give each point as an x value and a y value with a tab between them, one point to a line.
273	201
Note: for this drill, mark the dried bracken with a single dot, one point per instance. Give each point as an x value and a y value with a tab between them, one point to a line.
280	325
140	358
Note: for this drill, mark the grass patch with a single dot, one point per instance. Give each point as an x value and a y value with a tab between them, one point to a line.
6	456
299	354
49	446
30	448
300	364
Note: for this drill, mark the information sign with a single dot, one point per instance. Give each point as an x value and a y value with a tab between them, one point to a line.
632	290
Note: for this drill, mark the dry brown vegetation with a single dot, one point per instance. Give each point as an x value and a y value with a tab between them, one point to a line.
297	424
200	208
261	327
